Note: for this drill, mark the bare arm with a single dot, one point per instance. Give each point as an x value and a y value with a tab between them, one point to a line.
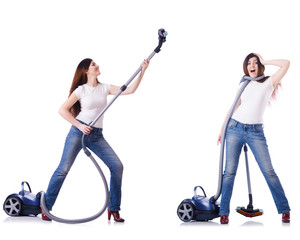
132	87
283	68
65	112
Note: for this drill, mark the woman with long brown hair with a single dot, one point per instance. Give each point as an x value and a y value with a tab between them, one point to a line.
246	127
87	99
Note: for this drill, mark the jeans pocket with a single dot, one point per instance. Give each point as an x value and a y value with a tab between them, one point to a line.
74	131
258	128
232	124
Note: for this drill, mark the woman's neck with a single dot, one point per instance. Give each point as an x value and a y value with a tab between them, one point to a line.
92	81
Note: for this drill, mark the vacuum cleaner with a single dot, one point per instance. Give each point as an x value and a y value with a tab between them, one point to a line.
202	208
26	203
23	204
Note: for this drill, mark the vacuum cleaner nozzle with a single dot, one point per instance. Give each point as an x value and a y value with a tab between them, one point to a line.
248	212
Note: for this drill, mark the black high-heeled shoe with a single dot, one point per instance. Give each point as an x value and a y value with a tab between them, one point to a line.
116	215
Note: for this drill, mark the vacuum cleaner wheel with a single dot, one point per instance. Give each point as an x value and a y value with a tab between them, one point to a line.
186	211
12	206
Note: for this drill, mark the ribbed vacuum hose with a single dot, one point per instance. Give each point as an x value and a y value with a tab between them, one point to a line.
82	220
162	38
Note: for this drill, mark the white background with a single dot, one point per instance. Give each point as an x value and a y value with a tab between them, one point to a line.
166	133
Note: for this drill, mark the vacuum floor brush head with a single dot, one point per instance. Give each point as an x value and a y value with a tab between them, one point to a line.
248	212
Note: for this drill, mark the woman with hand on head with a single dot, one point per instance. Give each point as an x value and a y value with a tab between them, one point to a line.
246	126
87	98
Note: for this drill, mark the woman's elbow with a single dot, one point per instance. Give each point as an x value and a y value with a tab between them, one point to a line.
132	91
285	64
129	91
61	111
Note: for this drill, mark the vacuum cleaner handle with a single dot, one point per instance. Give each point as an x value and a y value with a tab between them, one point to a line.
195	191
23	191
162	34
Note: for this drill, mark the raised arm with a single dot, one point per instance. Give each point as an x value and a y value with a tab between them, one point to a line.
132	87
283	67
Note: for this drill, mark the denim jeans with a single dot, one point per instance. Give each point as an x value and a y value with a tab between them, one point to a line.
237	135
97	144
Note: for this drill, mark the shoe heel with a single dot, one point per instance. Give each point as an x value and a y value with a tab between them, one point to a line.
109	214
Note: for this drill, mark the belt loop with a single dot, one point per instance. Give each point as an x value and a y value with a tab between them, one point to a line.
235	122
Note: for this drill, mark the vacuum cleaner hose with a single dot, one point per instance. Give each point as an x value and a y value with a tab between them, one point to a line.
245	81
162	38
82	220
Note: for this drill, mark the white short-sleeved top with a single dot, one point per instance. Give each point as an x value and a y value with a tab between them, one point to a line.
92	100
254	100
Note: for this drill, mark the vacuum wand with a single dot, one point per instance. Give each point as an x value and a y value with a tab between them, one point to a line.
162	34
250	206
249	211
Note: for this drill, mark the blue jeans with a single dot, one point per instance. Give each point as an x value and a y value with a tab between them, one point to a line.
237	135
97	144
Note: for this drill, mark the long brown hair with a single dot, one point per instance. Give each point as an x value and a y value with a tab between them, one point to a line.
80	78
261	69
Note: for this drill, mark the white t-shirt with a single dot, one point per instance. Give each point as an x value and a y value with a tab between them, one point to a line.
254	100
92	100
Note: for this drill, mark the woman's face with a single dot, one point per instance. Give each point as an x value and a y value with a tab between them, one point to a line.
252	67
93	69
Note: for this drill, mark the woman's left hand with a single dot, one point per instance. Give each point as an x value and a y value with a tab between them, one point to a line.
145	64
